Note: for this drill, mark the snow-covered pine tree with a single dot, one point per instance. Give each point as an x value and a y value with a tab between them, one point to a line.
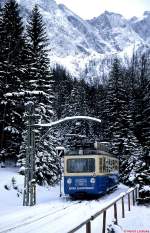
137	75
2	125
1	63
124	143
38	89
76	104
146	106
131	155
116	107
143	169
63	84
96	105
11	36
77	101
140	173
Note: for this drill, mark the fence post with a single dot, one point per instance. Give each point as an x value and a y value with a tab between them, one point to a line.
123	212
115	213
104	222
131	195
129	207
88	227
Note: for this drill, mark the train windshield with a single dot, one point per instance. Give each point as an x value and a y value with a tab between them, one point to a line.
81	165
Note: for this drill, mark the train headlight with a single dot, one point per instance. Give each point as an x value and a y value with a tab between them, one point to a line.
92	180
69	181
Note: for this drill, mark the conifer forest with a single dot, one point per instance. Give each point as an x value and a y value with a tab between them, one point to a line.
121	100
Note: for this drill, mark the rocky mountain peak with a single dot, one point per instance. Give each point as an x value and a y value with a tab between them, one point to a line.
86	47
116	30
141	26
109	20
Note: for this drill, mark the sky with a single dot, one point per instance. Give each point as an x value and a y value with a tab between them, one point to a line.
88	9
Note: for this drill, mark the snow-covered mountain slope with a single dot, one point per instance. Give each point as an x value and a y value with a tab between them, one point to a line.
86	48
116	30
142	26
72	40
68	33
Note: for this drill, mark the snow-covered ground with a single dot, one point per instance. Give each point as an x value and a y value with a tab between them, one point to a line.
137	220
53	214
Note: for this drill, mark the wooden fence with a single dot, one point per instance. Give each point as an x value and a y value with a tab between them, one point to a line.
132	194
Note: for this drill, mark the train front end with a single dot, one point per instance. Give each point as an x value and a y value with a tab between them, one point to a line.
80	175
90	171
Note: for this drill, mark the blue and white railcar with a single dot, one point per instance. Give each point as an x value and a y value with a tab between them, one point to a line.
91	172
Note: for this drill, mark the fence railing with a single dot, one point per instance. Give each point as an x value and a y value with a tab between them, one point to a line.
132	194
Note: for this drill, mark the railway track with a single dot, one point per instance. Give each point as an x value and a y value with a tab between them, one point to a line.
34	220
60	219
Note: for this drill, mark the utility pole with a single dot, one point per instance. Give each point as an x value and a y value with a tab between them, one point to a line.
29	198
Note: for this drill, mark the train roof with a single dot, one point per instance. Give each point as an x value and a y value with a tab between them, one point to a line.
88	152
90	148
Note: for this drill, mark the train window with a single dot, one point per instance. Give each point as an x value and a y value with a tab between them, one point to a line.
107	165
108	169
104	165
81	165
100	165
113	162
116	165
110	165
